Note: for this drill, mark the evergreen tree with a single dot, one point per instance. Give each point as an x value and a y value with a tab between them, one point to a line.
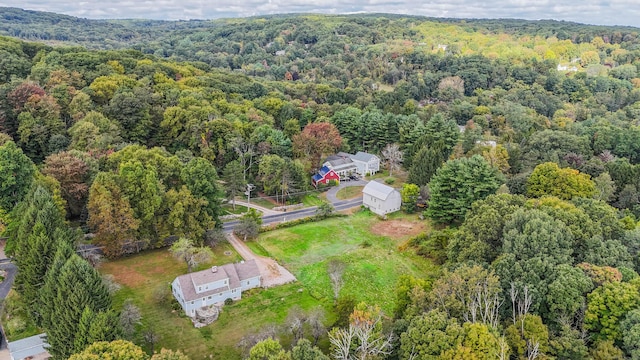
37	206
93	327
458	184
40	230
48	291
425	164
74	287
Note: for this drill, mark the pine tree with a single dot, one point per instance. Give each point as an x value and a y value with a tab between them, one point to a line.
457	184
48	291
79	286
425	164
93	327
37	206
39	232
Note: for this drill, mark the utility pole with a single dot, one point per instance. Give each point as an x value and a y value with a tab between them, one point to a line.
250	188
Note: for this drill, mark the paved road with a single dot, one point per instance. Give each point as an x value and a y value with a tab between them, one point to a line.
11	270
297	214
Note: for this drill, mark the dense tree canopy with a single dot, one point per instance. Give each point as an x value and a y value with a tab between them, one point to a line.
141	145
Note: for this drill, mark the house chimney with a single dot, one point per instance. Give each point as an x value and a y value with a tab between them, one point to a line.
214	269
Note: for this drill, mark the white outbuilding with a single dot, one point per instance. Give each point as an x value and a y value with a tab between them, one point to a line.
380	198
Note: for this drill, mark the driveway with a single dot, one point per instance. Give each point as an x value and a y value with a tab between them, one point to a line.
272	273
5	286
331	193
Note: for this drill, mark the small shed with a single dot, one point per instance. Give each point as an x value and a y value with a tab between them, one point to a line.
380	198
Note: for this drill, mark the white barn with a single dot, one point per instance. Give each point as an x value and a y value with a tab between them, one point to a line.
213	286
380	198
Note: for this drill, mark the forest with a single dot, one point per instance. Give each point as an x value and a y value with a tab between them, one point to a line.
521	139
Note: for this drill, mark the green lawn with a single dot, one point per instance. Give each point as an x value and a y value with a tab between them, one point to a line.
228	209
349	192
372	271
312	199
374	262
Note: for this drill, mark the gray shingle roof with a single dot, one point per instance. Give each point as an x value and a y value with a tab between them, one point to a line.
236	273
362	156
378	190
27	347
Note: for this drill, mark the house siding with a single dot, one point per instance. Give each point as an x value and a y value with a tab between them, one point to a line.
367	168
383	206
205	295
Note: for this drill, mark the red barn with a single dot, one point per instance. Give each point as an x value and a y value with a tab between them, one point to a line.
323	176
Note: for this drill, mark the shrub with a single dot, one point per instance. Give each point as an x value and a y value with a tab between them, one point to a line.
206	331
228	301
16	325
389	180
161	294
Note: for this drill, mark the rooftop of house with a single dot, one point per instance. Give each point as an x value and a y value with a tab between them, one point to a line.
378	190
29	348
363	156
340	159
235	273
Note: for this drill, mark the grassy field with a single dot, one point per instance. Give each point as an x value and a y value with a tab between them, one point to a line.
399	177
312	199
349	192
374	262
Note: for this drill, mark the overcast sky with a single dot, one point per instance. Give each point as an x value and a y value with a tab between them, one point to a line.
602	12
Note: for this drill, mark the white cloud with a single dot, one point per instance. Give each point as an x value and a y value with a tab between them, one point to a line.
604	12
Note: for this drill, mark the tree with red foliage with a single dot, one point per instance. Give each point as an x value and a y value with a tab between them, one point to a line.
73	175
21	94
317	140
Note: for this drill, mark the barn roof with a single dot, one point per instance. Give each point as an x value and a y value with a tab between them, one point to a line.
378	190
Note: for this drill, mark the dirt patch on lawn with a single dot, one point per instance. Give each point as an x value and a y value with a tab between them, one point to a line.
398	228
129	278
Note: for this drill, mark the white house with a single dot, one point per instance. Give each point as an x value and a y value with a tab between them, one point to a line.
213	286
345	164
342	164
380	198
367	164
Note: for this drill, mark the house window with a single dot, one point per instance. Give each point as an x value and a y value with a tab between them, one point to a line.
248	282
199	288
192	303
234	290
209	297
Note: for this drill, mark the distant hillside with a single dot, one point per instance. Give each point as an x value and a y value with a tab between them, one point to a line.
55	28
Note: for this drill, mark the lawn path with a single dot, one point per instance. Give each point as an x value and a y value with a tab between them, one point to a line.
272	273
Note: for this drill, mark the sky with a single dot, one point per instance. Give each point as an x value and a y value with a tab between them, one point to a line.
600	12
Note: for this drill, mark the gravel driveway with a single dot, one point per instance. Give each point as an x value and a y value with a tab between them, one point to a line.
272	273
